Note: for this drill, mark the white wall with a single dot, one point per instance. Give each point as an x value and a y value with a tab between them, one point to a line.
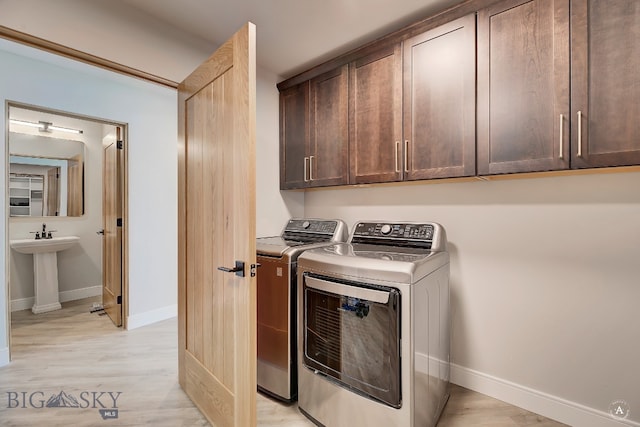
150	111
116	32
545	283
104	33
273	207
80	267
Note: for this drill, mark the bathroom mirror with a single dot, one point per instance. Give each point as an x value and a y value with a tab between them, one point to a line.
46	176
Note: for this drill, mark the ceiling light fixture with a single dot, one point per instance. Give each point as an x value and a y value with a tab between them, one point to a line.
61	129
23	123
45	126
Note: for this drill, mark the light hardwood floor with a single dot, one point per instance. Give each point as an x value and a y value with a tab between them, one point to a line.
80	353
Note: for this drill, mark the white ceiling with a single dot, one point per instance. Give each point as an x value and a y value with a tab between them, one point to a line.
293	35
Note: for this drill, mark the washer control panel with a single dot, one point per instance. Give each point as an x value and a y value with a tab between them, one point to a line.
400	231
311	226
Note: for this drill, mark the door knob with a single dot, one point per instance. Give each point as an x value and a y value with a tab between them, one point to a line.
238	269
100	232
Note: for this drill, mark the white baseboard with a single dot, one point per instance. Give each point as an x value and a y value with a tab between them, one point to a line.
22	304
556	408
153	316
4	356
64	296
76	294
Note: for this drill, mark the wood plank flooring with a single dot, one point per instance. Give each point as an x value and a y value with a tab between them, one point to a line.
72	351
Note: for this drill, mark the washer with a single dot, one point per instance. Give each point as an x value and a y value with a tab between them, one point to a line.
374	327
277	302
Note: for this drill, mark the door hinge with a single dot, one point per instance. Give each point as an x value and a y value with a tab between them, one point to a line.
119	299
120	145
119	222
57	176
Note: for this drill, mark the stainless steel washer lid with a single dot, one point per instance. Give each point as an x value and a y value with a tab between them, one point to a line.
301	234
275	246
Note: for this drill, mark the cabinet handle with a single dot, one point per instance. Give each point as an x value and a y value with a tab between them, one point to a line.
311	168
397	148
406	155
579	133
560	155
305	169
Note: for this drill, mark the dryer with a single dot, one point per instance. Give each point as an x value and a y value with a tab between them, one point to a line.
373	336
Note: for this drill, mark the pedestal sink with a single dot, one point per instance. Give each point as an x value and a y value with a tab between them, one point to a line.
45	268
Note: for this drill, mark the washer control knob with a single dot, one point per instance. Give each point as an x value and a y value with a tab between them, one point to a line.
306	224
385	229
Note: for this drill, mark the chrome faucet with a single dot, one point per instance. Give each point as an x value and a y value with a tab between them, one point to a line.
45	234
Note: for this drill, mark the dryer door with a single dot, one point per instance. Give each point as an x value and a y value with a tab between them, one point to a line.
352	335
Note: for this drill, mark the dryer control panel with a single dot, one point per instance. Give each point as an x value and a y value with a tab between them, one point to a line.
394	231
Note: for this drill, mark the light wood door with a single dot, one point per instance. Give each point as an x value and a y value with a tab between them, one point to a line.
523	86
605	88
112	238
216	179
375	117
440	101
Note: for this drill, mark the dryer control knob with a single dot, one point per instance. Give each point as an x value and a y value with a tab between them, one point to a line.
306	224
385	229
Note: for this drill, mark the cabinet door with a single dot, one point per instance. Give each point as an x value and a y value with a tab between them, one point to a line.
605	83
440	101
375	114
523	86
329	132
294	137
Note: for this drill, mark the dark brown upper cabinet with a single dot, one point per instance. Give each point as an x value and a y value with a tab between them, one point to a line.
328	155
314	132
375	116
531	67
605	83
412	107
523	86
440	102
294	137
538	85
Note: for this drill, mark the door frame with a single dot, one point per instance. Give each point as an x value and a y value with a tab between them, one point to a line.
124	196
